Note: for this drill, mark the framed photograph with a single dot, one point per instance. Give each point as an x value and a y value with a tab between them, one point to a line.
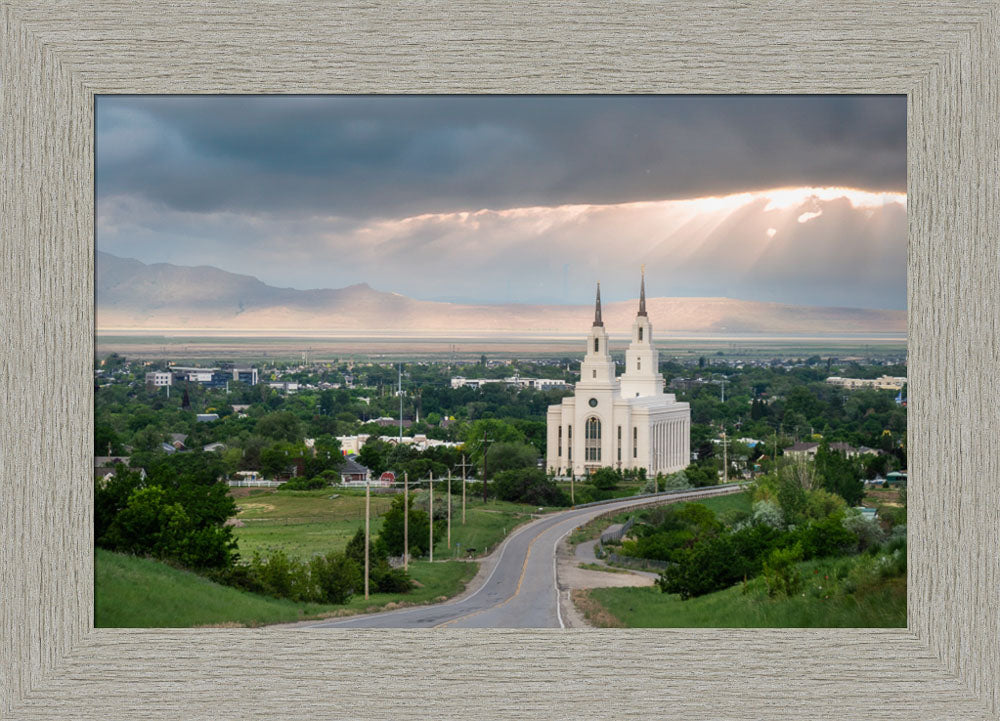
59	60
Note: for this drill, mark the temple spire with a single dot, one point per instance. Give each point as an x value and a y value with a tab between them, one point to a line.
597	308
642	292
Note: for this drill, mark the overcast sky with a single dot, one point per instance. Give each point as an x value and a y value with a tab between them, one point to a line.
533	199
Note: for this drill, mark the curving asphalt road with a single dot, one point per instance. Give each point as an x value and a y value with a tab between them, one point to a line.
521	591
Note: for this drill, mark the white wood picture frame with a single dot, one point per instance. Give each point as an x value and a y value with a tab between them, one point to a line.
55	56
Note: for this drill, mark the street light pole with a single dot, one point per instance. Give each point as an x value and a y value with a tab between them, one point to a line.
463	489
406	521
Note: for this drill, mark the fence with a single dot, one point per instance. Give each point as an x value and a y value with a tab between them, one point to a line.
243	483
619	533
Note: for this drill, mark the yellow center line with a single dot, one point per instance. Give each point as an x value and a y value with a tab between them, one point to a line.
517	590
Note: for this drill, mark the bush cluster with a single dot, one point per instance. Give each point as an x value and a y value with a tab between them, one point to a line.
305	484
332	578
528	485
176	512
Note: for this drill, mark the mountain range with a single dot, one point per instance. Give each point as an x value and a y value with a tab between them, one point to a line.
134	296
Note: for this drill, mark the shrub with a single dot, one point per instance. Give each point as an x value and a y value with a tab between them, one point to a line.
334	577
528	485
605	479
780	573
768	513
868	531
709	565
826	537
821	503
305	484
673	482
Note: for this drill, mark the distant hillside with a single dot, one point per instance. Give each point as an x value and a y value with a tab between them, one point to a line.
134	296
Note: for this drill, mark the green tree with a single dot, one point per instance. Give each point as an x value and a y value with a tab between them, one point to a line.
605	479
780	572
391	534
281	426
374	456
528	485
839	474
506	456
336	577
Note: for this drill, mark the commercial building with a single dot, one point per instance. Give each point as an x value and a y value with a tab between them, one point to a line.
215	377
887	383
159	378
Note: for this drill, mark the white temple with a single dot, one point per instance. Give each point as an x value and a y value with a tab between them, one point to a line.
625	421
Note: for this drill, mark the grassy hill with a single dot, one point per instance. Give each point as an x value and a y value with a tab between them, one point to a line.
825	601
135	592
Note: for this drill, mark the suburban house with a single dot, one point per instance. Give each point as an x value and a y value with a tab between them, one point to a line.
104	467
802	451
353	473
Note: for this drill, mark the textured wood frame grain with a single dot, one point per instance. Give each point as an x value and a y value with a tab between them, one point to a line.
56	56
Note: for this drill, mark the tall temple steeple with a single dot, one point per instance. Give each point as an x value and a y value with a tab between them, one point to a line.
642	292
641	376
598	369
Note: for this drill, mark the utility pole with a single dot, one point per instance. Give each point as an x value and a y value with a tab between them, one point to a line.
449	508
725	458
368	507
486	449
406	521
463	489
400	402
430	484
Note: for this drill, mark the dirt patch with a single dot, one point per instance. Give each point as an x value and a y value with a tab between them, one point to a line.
234	522
265	507
594	612
572	576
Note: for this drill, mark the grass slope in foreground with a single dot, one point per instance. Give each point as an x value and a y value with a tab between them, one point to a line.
819	604
133	592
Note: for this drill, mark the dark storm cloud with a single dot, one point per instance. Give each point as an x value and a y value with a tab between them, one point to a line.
369	156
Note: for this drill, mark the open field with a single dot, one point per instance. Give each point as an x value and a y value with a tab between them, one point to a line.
181	345
326	504
135	592
302	523
880	606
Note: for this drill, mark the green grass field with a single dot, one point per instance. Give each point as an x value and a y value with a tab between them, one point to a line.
719	504
486	524
135	592
304	523
882	605
298	540
327	504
